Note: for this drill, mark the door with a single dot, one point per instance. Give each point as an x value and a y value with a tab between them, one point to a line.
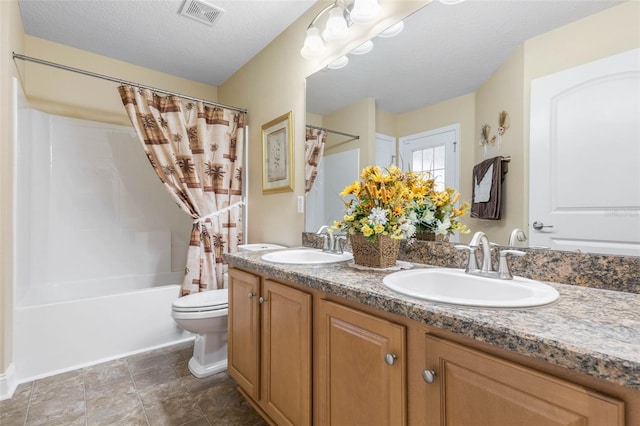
244	331
385	150
584	156
361	368
435	151
286	349
473	388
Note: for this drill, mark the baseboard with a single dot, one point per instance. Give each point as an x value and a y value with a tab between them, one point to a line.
8	383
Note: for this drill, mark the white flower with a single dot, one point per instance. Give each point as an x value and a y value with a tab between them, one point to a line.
443	227
428	216
377	216
408	229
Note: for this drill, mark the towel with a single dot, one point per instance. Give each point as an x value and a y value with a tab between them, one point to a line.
487	188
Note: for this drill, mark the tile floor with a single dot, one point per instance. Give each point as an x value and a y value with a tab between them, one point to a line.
153	388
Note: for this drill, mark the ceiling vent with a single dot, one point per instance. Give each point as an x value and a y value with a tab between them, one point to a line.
201	11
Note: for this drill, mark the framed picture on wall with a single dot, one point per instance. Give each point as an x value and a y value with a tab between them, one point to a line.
277	155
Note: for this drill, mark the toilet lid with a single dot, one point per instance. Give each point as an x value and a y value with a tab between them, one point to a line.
206	300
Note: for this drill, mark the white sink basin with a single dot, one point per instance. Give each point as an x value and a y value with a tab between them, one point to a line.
456	287
305	257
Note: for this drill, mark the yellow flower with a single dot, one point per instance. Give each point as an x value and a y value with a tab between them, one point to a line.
378	228
354	187
366	230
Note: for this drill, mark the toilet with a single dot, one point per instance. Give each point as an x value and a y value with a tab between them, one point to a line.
205	314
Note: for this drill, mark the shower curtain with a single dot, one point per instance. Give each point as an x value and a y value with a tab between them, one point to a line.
197	152
313	151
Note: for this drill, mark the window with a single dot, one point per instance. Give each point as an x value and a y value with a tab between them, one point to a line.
434	151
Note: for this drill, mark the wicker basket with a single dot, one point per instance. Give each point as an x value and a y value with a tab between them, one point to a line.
381	253
430	236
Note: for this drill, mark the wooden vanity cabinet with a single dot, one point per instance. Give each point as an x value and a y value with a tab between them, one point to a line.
270	346
361	368
473	388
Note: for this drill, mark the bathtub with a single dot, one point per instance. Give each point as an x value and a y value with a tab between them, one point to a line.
67	326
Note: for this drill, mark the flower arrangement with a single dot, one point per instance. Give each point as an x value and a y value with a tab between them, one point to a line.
436	212
378	203
398	204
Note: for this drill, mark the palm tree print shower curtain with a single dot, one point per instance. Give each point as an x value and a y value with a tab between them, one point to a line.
197	152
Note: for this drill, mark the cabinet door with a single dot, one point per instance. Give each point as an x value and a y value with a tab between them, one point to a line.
244	333
357	385
286	351
473	388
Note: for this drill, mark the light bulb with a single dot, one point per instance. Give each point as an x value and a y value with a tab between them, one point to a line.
365	11
313	45
336	28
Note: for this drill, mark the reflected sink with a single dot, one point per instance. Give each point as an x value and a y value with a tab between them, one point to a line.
306	257
457	287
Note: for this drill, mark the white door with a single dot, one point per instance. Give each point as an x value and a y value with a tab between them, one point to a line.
385	150
584	174
433	151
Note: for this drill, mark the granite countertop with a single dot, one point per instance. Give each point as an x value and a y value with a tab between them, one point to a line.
588	330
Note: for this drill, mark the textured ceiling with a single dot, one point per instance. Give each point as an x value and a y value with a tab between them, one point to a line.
443	52
152	34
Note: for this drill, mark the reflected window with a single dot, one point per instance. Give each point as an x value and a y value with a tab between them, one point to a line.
434	152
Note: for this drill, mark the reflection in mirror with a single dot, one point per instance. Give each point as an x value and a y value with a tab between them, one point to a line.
457	65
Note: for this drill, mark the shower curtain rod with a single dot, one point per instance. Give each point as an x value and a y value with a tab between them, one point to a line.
333	131
120	81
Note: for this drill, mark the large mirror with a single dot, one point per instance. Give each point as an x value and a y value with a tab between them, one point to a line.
456	65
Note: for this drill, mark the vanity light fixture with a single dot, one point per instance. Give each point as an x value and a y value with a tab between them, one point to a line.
341	15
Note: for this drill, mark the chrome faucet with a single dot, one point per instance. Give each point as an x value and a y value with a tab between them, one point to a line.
327	236
480	239
517	235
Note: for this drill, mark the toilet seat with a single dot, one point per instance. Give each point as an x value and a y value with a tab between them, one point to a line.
206	301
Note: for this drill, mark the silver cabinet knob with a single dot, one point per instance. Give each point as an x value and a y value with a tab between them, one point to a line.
428	375
251	295
262	299
539	225
390	359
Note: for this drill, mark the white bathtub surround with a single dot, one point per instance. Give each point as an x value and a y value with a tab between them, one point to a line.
8	382
101	248
201	166
57	337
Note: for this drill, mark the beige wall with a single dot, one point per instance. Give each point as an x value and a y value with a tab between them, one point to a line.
386	123
75	95
269	85
503	92
11	39
314	119
357	119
